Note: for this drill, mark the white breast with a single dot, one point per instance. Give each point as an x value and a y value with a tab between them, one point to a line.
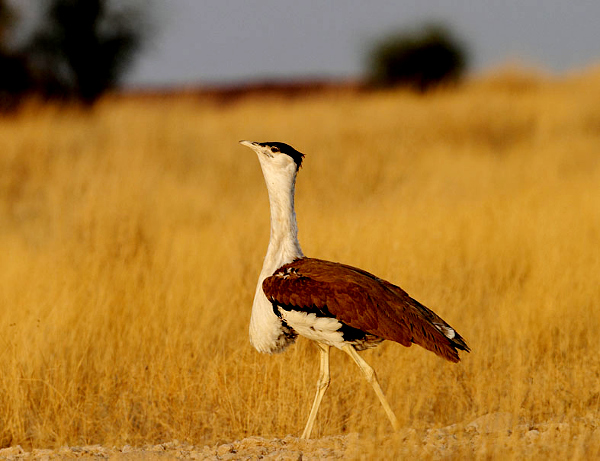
267	333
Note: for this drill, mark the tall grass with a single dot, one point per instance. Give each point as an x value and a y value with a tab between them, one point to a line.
131	238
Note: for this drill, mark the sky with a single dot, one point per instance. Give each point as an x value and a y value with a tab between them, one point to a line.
227	41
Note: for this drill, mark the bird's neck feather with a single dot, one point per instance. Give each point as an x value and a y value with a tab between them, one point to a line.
284	246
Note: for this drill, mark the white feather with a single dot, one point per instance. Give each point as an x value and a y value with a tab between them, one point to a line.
446	330
322	329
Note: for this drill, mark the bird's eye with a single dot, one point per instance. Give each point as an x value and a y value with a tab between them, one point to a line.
274	149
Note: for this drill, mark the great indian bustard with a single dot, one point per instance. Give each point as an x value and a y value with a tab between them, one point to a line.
333	304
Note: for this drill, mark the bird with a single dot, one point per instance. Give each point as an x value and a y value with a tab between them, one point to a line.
332	304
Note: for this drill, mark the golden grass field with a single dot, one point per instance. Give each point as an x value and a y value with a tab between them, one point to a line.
131	238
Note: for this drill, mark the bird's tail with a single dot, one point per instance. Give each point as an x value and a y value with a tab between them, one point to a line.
456	341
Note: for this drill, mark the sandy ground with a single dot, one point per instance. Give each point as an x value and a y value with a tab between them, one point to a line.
288	448
484	437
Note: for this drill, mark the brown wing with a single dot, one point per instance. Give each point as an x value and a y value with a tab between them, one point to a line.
363	301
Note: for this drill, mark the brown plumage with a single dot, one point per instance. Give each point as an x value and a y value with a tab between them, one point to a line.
362	301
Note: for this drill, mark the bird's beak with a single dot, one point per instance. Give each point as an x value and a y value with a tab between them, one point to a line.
256	147
250	144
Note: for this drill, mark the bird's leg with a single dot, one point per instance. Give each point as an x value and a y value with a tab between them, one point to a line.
322	386
372	378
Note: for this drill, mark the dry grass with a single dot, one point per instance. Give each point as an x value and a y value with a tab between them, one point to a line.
131	238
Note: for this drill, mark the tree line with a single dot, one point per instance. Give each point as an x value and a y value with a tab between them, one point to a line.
80	50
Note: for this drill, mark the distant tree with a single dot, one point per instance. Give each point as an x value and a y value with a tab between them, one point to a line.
14	75
85	46
421	60
7	19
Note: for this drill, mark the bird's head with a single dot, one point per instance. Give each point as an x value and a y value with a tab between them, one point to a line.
276	158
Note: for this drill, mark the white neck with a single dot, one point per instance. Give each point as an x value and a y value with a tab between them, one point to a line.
283	242
267	332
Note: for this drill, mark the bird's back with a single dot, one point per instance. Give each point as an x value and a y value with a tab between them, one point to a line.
361	303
